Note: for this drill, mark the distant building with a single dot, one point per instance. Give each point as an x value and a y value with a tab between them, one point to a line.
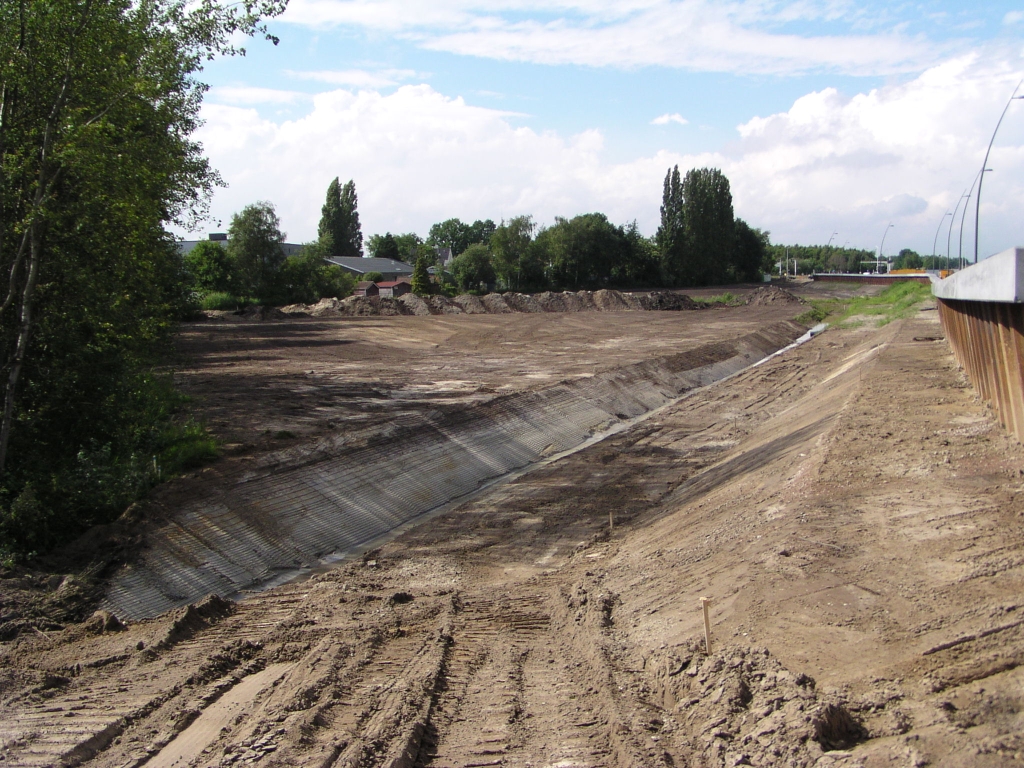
366	288
391	270
394	288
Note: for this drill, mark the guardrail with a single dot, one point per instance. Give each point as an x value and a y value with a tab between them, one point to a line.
982	314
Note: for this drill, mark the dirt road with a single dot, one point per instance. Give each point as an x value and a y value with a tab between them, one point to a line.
850	508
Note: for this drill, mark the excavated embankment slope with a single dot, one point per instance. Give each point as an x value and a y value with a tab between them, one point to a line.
292	510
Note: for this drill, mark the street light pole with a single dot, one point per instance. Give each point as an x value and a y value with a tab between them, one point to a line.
882	245
949	233
937	230
963	216
981	177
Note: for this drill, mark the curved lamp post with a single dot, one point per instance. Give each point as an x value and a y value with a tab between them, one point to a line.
963	215
882	245
981	176
938	229
949	233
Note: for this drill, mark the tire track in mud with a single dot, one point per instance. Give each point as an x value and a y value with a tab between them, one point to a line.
83	712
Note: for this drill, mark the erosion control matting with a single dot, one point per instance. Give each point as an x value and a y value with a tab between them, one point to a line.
277	518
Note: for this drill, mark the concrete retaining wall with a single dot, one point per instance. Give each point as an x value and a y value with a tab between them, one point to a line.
983	317
283	517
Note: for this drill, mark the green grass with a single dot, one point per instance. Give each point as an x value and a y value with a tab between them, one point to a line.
895	302
223	301
185	446
723	299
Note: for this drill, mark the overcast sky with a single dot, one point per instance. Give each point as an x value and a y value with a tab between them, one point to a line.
825	116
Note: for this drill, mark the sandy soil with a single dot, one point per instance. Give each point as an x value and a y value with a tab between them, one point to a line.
312	377
850	508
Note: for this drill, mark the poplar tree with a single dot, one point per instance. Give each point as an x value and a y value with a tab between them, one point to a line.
709	226
339	220
671	235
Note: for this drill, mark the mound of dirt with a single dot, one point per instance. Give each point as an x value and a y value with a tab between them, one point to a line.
194	618
586	301
442	305
522	302
609	301
471	305
666	301
744	708
771	294
415	305
551	302
495	304
632	301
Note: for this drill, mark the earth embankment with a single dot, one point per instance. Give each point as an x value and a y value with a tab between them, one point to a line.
291	509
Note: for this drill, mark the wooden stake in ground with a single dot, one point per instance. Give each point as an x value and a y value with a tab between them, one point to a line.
704	602
611	523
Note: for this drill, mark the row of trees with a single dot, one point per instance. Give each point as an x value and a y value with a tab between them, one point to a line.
699	242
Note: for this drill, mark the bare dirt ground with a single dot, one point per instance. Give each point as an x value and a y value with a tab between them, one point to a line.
311	377
850	507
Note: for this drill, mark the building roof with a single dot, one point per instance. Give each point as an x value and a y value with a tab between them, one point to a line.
365	283
184	246
393	283
363	265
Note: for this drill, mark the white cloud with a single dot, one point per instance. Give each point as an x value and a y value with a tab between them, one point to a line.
1013	17
665	119
831	162
240	95
740	36
357	78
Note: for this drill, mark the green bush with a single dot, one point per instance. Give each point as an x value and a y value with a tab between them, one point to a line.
222	300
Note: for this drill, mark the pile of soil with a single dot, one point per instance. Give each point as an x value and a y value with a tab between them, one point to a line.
609	301
771	294
471	305
604	300
495	304
745	708
666	301
415	305
522	302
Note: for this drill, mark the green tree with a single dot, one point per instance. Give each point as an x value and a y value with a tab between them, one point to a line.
307	277
383	247
481	231
452	233
641	266
710	239
398	247
582	252
908	259
339	219
373	277
98	103
516	264
671	235
209	267
421	284
751	252
472	268
254	244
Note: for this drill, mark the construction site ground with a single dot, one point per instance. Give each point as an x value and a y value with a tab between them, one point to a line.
850	507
